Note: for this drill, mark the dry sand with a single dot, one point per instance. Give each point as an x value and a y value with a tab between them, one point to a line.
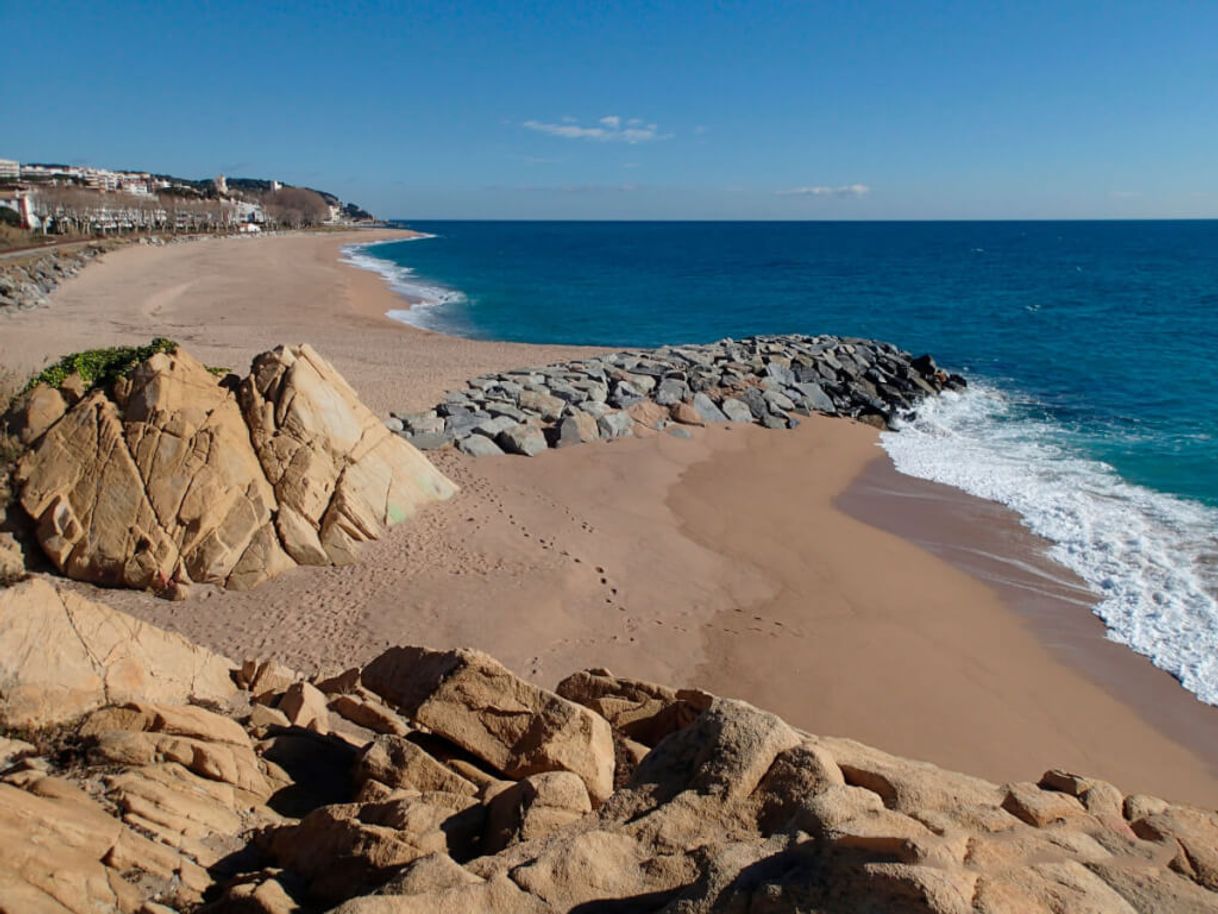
736	561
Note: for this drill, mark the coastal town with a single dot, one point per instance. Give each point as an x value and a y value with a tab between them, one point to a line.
57	199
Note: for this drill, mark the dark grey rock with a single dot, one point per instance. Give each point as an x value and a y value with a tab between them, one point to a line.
429	441
615	425
736	410
707	409
479	446
459	425
816	398
526	440
671	391
624	394
778	400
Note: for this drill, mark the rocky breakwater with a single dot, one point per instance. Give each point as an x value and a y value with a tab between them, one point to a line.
162	474
27	282
771	381
146	775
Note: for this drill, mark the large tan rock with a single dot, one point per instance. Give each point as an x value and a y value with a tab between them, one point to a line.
160	479
191	447
60	851
470	699
51	852
85	494
339	475
1192	836
342	849
12	562
643	711
533	808
397	762
62	655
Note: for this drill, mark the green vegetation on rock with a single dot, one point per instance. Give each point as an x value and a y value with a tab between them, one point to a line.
98	367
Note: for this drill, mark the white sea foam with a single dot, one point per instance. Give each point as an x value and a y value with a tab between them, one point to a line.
425	298
1152	558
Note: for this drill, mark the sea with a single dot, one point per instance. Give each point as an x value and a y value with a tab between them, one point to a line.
1092	408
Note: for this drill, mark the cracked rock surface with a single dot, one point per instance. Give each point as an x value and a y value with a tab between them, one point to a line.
172	476
437	781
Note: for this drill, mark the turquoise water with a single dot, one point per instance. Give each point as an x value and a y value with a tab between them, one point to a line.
1090	347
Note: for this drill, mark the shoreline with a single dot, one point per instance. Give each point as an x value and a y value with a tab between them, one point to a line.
988	541
512	566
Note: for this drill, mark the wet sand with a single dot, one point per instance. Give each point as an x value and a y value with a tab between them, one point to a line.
735	561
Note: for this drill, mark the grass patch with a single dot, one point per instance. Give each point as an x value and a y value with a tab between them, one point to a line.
99	367
218	371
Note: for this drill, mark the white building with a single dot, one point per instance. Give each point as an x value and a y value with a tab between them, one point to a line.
221	185
10	168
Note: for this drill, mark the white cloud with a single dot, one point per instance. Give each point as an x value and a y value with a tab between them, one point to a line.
822	190
567	188
609	129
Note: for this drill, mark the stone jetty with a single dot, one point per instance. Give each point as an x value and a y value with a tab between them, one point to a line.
771	381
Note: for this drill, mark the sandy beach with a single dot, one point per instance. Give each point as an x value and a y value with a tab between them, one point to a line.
792	569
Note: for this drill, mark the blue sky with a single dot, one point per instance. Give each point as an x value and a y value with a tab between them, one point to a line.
864	110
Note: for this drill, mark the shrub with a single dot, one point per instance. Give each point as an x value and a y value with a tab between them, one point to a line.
99	367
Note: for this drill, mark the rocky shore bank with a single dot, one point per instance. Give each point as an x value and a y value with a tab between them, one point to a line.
768	380
27	282
142	774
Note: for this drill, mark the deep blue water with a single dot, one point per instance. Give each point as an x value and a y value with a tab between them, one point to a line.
1091	345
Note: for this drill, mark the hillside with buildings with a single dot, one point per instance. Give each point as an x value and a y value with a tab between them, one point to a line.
57	199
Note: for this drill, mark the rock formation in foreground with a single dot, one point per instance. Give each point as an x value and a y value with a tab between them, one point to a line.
437	781
770	381
170	475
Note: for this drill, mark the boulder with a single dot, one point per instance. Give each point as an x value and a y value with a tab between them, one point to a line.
707	409
62	655
305	706
736	410
526	440
327	457
12	562
398	762
615	425
543	404
473	701
648	414
577	428
642	711
166	478
533	808
479	446
686	414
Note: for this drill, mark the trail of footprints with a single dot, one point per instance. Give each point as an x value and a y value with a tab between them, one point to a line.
748	622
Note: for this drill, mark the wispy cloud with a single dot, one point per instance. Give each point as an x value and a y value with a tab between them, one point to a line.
823	190
609	129
566	188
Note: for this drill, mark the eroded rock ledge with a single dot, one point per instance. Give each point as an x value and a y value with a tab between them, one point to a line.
768	380
437	781
171	475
